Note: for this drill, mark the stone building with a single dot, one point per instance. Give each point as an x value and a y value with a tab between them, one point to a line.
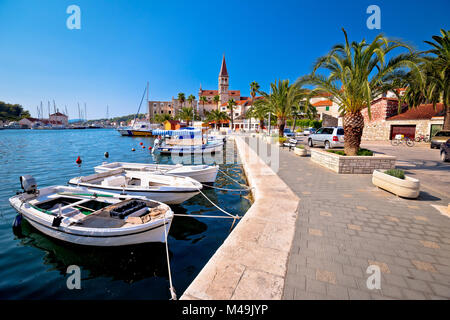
59	118
386	121
168	107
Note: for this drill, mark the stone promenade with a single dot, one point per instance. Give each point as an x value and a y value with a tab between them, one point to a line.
345	224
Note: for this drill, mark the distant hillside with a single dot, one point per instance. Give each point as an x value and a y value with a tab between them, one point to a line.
12	112
128	118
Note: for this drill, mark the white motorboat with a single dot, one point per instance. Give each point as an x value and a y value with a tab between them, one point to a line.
201	173
79	216
186	141
167	189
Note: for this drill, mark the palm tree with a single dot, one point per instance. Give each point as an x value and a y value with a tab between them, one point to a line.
432	83
254	87
191	99
282	99
181	99
217	100
358	73
259	111
185	114
217	116
230	105
203	100
160	118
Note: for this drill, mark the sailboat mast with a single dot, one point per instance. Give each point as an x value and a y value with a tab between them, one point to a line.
148	114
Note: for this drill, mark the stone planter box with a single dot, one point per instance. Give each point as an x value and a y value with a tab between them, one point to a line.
300	152
406	188
352	165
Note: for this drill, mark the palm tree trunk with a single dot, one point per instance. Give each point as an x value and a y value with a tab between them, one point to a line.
353	130
446	118
293	125
281	124
232	119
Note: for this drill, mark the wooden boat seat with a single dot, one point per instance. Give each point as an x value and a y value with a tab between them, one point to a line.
115	181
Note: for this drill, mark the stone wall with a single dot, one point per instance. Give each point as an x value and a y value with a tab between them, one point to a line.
376	128
329	121
352	165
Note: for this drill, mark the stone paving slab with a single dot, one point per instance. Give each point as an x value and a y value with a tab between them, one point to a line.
252	262
345	224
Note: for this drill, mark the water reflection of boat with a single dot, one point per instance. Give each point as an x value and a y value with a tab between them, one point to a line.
184	227
129	264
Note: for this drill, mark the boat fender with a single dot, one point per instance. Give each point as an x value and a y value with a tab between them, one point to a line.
17	221
57	221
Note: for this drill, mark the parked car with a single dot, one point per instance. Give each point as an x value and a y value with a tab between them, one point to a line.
309	131
445	151
329	137
440	138
288	133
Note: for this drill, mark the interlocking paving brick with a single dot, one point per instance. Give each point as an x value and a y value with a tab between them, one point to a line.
407	238
383	266
315	232
326	276
325	214
422	265
430	244
354	227
393	219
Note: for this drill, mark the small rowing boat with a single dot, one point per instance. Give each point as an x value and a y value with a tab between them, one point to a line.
167	189
81	217
201	173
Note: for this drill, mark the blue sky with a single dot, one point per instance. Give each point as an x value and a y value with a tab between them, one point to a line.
176	45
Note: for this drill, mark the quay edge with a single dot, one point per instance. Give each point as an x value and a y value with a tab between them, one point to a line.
251	264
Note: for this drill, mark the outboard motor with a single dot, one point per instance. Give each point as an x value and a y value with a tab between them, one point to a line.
28	184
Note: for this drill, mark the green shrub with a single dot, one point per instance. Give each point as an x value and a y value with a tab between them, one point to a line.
396	173
282	140
360	153
300	146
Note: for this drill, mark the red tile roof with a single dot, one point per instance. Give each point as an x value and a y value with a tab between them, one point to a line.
424	111
238	103
58	114
209	93
323	103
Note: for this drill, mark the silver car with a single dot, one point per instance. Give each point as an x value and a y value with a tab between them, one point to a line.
328	137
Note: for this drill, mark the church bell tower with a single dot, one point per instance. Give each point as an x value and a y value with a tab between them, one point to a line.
223	82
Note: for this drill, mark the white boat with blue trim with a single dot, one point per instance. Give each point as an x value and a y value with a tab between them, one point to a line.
201	173
164	188
185	141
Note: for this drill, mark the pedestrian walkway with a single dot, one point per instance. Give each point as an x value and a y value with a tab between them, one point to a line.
345	224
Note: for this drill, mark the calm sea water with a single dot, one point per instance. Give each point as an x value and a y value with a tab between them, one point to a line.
33	266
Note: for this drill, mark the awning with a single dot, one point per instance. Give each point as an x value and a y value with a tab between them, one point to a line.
190	133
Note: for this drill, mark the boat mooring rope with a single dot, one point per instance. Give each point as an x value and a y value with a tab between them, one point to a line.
223	172
171	288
